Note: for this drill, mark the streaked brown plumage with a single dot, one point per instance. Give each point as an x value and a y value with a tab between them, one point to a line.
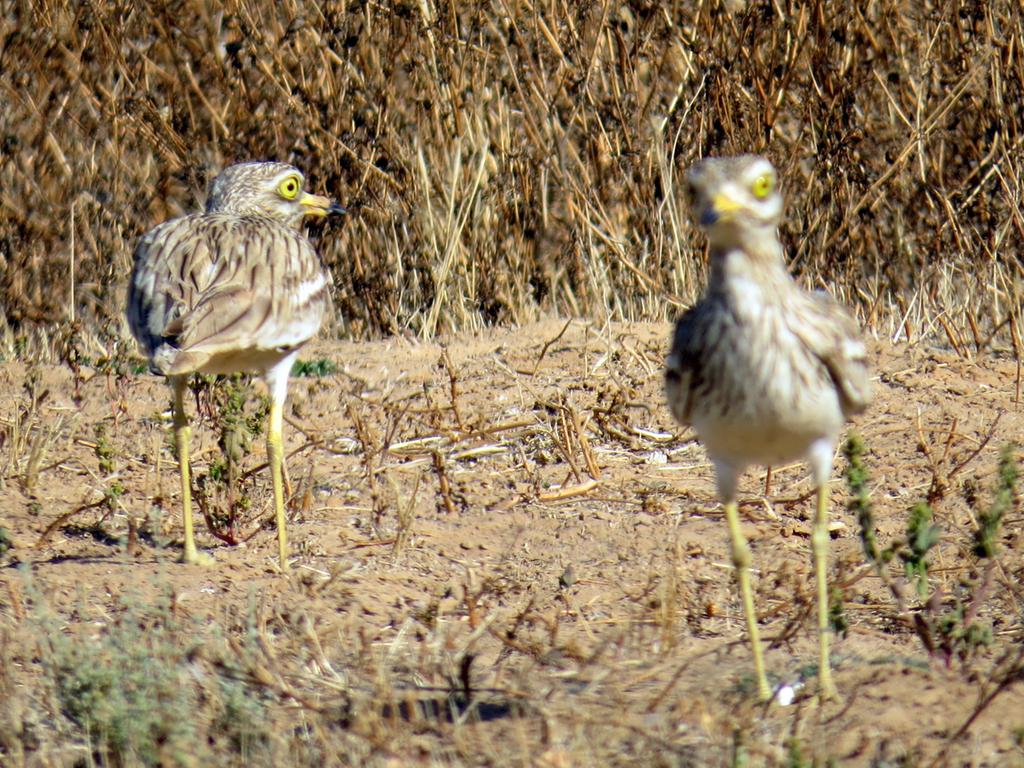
765	372
238	288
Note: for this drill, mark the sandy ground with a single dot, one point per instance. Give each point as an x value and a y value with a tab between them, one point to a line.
518	506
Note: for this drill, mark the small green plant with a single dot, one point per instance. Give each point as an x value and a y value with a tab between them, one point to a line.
959	634
946	623
122	361
128	690
922	535
224	492
990	520
795	755
860	499
860	504
314	369
959	629
148	689
740	754
104	450
106	456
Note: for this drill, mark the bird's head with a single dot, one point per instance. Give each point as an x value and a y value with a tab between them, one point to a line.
736	201
274	190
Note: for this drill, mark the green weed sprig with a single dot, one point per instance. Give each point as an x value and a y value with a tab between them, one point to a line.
922	535
990	520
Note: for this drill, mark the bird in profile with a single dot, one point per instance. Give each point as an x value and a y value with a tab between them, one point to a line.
765	372
238	288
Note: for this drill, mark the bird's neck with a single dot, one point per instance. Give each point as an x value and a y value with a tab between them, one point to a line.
750	277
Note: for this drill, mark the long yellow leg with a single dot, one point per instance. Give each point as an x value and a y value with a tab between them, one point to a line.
819	543
741	560
182	436
275	452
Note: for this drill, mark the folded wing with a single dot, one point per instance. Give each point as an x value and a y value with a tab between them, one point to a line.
217	293
836	341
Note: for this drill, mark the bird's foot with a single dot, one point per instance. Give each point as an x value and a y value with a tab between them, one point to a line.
195	557
280	566
828	693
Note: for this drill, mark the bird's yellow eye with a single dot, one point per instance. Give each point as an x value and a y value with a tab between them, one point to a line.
763	186
289	188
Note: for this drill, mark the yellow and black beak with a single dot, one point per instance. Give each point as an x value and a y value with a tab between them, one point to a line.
315	205
721	207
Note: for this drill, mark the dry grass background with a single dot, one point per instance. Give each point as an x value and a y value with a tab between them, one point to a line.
509	158
500	161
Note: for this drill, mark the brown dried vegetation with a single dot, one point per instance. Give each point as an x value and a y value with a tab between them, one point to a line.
504	159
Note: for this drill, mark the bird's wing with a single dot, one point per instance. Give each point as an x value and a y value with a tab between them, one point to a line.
157	289
224	314
835	339
226	284
682	371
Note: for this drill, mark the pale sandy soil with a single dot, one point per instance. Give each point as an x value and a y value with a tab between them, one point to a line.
595	622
